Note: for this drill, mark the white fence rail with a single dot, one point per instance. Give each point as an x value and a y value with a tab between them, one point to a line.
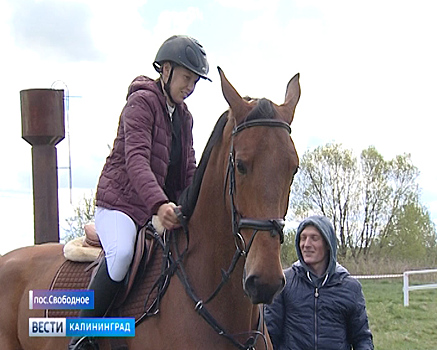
405	276
407	287
375	277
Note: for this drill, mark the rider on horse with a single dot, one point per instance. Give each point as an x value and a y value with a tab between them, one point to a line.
152	161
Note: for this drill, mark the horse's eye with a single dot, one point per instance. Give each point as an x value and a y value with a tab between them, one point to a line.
241	167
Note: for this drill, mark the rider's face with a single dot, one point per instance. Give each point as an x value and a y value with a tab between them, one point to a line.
182	83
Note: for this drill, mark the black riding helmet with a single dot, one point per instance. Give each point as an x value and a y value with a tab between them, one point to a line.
184	51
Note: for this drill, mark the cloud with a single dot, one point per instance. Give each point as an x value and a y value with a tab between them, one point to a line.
176	22
249	4
59	30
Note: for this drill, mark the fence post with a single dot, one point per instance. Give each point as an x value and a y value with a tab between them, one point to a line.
406	290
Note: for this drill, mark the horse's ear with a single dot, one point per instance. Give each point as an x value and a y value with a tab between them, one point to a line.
292	96
236	103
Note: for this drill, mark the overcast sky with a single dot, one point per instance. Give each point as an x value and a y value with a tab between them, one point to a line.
368	77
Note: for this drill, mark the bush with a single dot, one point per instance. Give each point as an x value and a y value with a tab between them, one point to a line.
83	214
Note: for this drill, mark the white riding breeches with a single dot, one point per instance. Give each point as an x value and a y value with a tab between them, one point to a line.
117	233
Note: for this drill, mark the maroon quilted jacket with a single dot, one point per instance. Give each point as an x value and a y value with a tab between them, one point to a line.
134	174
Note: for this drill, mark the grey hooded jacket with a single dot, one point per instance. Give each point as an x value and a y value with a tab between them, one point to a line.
326	313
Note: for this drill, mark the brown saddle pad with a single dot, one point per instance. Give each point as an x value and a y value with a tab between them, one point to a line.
139	301
71	275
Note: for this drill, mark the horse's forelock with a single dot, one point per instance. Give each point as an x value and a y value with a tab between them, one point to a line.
263	110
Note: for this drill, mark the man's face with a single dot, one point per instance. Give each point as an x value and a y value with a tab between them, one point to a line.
182	84
314	249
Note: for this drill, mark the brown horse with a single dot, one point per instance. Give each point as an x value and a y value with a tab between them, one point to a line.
236	226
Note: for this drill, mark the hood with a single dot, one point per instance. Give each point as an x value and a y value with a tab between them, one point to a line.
323	224
144	83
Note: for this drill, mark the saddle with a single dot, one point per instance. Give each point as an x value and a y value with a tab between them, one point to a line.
86	248
144	285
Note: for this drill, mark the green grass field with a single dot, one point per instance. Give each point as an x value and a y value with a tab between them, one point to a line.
396	327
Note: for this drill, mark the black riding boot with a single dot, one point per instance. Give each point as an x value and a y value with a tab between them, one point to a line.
105	290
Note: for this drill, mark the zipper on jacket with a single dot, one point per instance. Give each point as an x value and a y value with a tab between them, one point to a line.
316	295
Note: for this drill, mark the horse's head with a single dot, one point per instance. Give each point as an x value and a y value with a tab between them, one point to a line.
262	164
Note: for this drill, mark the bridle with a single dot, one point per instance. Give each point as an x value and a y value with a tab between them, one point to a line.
274	226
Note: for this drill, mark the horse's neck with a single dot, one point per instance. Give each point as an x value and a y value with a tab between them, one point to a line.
211	221
211	250
211	213
212	245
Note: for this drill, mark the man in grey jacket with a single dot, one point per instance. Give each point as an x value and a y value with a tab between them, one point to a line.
321	307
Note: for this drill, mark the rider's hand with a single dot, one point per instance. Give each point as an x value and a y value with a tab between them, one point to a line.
156	223
168	217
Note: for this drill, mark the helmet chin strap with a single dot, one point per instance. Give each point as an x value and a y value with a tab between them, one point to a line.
167	86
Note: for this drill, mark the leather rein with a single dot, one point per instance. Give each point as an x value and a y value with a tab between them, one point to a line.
274	226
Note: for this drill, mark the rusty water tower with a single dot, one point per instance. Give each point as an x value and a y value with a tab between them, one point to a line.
42	121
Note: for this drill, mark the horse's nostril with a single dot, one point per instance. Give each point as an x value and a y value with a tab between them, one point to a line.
259	292
250	282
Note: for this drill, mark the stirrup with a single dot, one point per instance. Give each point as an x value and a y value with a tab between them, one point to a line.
85	343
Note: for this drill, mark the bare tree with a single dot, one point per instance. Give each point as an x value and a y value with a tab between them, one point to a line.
361	197
83	214
375	199
325	184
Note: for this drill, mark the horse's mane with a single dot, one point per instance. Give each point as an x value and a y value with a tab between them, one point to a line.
188	198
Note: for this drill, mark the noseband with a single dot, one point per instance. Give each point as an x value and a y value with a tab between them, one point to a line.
274	226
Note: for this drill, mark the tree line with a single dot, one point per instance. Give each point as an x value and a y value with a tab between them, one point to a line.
373	203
